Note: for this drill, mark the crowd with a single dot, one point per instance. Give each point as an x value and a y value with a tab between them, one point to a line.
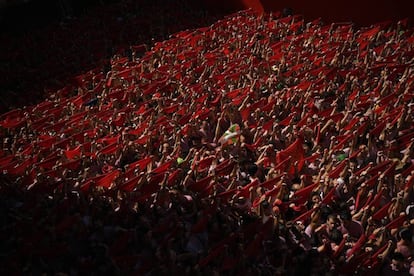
45	56
261	144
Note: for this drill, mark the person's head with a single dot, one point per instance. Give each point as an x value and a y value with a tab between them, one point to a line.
397	261
252	169
336	236
406	235
315	197
345	216
332	222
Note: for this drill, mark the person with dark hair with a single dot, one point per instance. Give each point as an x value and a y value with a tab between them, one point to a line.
395	266
405	244
350	226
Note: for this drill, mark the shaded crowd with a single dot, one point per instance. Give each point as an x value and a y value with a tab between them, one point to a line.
43	58
261	144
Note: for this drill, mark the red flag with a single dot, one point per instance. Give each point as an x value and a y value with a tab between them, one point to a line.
357	246
107	179
303	195
109	139
47	143
378	129
63	144
86	186
305	216
329	196
397	222
226	195
374	258
245	113
138	131
71	154
379	168
205	163
26	151
381	213
72	165
335	173
142	163
152	186
297	154
369	34
110	149
377	199
200	185
48	163
244	192
339	249
162	168
271	183
173	177
6	160
130	185
20	169
351	124
224	170
12	123
142	140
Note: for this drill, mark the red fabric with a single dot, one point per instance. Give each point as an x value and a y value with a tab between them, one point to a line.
286	121
141	164
328	198
174	177
200	225
374	258
379	168
142	140
223	170
48	163
377	200
109	139
227	195
86	186
163	168
205	163
271	183
305	216
72	154
297	154
28	150
110	149
200	185
20	169
72	165
397	222
244	192
130	185
6	160
357	246
139	130
153	185
340	248
12	123
303	195
107	180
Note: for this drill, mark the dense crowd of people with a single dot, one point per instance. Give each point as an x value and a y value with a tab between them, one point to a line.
261	144
44	57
